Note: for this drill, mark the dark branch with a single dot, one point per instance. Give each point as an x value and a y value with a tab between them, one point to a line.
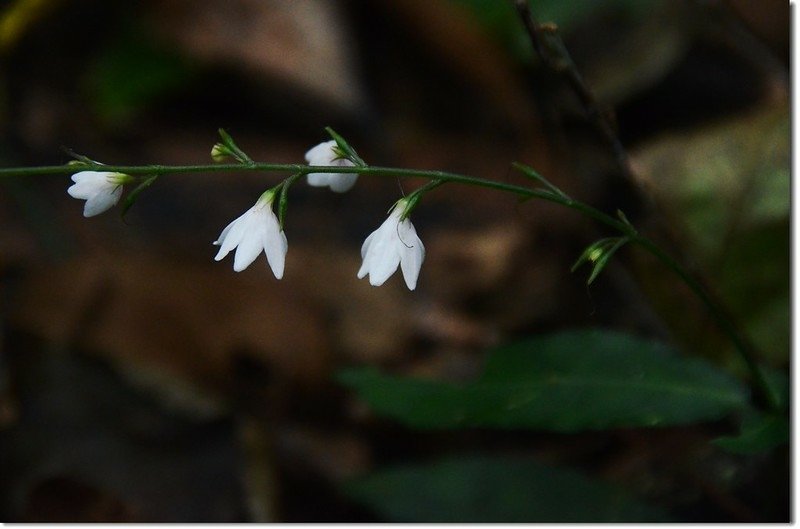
549	46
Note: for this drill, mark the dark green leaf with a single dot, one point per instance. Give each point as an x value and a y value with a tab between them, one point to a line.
495	489
133	196
567	382
759	433
779	385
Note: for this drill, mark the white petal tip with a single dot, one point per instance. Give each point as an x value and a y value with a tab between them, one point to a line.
92	211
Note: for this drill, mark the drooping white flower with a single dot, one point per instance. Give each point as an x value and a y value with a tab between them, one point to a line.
325	154
101	190
394	243
255	231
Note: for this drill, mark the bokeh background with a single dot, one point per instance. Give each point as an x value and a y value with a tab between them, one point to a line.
142	381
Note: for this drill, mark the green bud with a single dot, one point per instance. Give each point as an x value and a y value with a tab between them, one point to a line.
220	153
595	254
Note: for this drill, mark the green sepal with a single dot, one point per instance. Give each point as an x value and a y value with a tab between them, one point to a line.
283	198
621	216
345	149
599	253
79	159
410	202
533	175
133	196
236	152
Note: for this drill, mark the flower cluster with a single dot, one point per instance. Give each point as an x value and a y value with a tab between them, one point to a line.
394	244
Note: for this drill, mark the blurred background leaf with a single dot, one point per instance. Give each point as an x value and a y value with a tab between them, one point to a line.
500	19
500	489
133	72
566	382
730	183
760	432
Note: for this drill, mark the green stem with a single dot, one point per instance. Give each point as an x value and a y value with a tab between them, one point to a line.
305	169
744	348
437	178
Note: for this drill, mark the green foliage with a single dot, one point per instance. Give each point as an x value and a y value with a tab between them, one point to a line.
759	433
494	489
727	188
132	73
566	382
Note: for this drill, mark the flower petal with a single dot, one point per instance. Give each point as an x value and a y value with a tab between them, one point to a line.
342	182
384	265
251	245
102	201
383	258
82	190
412	253
224	233
321	154
233	234
276	246
318	179
89	176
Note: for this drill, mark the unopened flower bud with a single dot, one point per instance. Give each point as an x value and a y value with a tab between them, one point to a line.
220	153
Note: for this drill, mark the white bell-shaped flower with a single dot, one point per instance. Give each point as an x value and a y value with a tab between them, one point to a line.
325	154
255	231
101	190
394	243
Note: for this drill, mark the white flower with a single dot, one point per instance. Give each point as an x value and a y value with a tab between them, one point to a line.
100	190
394	243
256	230
325	154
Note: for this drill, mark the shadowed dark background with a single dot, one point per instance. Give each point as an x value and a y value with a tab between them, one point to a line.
142	381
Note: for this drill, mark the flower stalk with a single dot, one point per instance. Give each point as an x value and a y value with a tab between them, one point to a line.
549	193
